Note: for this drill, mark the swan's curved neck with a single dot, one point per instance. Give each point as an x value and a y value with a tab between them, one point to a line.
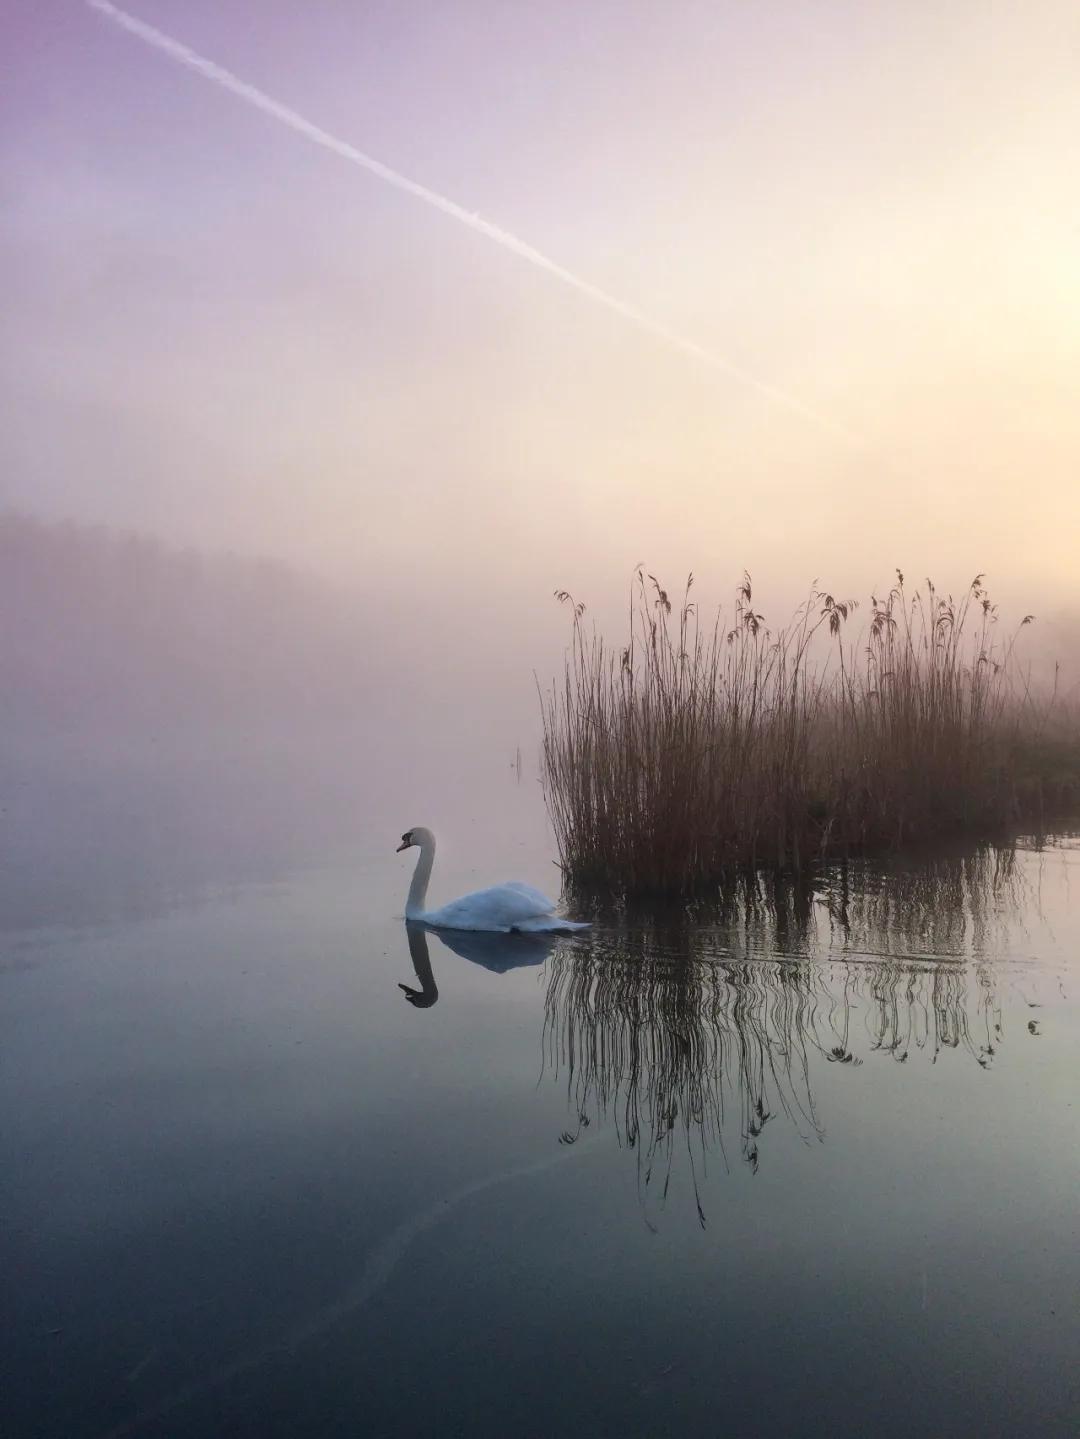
414	905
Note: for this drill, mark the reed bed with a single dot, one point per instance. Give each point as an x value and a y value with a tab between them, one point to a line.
691	751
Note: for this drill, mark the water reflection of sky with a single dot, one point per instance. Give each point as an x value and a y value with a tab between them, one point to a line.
778	1158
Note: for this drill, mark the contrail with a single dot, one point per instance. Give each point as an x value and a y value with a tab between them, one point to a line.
210	70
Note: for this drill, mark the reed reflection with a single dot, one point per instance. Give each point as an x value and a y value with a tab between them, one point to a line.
693	1033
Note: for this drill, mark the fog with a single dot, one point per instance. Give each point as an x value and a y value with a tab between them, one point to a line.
294	462
170	718
221	333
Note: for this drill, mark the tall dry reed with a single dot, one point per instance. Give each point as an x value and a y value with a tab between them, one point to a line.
693	749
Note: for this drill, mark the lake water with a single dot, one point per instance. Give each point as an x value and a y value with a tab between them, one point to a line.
810	1166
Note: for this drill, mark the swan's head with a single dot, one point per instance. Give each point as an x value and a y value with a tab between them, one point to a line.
419	835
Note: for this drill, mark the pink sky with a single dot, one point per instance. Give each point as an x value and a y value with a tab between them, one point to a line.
217	331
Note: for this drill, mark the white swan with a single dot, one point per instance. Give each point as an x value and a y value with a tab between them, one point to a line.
505	908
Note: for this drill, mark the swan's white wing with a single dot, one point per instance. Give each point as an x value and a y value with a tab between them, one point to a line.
546	921
503	907
544	905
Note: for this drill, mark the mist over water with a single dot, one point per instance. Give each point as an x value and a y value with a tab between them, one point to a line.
203	715
261	1133
173	718
260	1130
291	469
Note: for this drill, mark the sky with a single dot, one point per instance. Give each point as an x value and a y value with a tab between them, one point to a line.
219	332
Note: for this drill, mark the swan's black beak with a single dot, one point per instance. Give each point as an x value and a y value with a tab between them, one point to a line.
403	845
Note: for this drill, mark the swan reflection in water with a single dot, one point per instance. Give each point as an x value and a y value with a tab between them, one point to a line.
428	993
495	952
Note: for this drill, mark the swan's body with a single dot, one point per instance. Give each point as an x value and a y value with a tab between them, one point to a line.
504	908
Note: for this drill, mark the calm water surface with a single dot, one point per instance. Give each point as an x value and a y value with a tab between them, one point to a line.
276	1165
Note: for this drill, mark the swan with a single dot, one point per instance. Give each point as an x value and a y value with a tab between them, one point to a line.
505	908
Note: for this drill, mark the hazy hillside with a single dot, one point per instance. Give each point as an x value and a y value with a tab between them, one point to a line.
168	704
102	631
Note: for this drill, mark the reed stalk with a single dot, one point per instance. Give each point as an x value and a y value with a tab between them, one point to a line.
692	751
